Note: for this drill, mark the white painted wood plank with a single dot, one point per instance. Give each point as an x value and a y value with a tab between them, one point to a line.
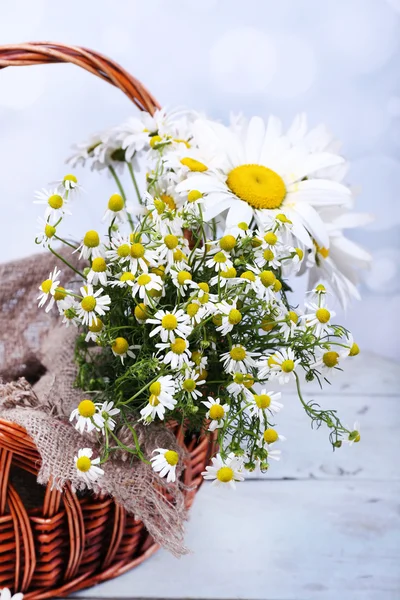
367	374
307	453
274	540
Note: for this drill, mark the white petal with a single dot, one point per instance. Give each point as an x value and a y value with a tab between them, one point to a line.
254	140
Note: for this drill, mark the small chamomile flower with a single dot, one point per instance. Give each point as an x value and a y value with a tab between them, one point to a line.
68	184
354	436
46	232
120	249
170	325
167	248
196	312
115	209
238	359
48	289
87	416
107	410
189	383
94	330
269	437
241	384
140	258
55	204
318	317
125	279
265	401
68	309
225	278
121	348
225	472
182	280
177	353
231	316
146	284
199	359
220	261
217	412
266	257
91	246
99	272
281	365
92	304
165	463
291	323
161	397
87	467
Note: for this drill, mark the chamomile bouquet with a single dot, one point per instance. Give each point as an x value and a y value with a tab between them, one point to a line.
182	306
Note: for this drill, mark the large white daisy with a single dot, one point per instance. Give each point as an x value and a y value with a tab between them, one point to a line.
262	172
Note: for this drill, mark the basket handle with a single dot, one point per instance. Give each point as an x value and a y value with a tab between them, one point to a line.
36	53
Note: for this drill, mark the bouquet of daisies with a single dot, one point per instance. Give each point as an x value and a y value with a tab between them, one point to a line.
182	299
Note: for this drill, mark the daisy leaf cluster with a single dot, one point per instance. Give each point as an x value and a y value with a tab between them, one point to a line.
183	305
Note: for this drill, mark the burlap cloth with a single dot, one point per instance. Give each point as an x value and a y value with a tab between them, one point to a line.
37	374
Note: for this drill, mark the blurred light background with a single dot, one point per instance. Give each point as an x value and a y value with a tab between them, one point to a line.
337	60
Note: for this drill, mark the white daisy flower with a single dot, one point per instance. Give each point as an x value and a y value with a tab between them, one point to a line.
126	279
99	272
269	437
69	183
182	280
115	209
291	323
217	412
107	410
91	246
167	248
199	359
225	473
87	416
165	463
94	330
48	289
189	384
319	318
170	325
196	312
156	406
265	257
46	232
238	359
263	171
231	316
87	467
141	258
225	278
178	353
281	364
68	309
241	384
92	304
56	205
220	261
5	594
121	348
354	436
133	135
265	401
120	249
145	285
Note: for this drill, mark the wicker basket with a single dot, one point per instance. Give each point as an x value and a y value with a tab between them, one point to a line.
52	543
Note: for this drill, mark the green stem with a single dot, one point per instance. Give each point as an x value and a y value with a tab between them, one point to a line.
135	185
65	242
67	263
121	191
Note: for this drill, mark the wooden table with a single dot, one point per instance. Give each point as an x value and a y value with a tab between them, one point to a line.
319	526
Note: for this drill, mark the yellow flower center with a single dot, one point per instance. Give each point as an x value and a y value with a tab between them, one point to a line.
217	320
268	255
123	251
282	218
154	140
143	279
171	241
49	230
355	436
178	255
225	474
183	276
194	195
246	380
196	357
293	316
160	271
169	201
99	265
155	388
83	464
192	309
216	412
263	401
60	294
46	285
120	345
243	226
235	316
127	276
178	346
55	201
287	366
153	400
86	408
270	238
228	242
248	275
88	303
204	286
270	436
194	165
354	350
267	278
220	257
323	315
171	457
169	322
96	326
141	312
238	353
159	205
189	385
91	239
267	323
299	253
277	286
70	177
257	185
330	359
116	203
229	273
137	250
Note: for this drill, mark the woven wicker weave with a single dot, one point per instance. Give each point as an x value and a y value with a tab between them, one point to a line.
53	543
